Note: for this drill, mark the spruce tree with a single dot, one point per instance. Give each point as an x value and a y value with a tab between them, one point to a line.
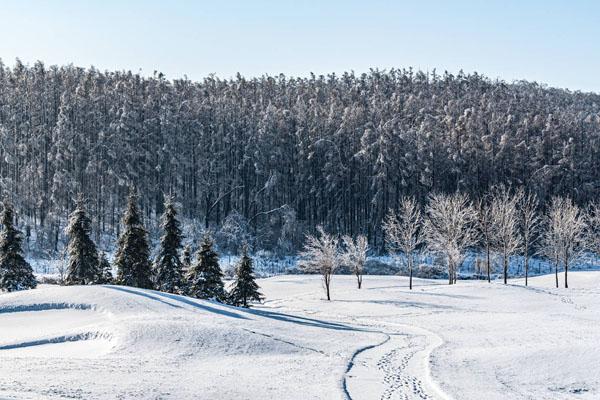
133	255
245	289
168	266
186	258
15	272
205	278
82	267
104	270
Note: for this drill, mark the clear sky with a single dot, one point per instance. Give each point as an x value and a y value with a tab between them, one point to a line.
554	42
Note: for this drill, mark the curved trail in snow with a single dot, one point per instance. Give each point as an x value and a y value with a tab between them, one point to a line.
395	368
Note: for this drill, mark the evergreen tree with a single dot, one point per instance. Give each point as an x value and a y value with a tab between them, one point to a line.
186	266
186	258
168	266
82	267
15	272
244	288
133	255
205	278
104	270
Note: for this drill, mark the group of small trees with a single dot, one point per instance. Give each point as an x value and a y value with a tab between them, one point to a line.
323	254
504	222
169	272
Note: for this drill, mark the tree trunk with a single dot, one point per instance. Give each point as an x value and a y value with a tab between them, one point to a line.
359	279
566	271
556	272
410	278
526	268
327	280
505	260
488	263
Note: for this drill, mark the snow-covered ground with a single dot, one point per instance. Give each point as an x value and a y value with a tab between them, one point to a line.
473	340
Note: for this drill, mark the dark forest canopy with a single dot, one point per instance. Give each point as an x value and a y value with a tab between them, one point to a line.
285	154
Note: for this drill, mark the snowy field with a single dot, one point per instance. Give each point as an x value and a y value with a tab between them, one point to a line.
472	340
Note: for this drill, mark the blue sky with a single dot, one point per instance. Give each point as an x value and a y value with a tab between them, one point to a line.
554	42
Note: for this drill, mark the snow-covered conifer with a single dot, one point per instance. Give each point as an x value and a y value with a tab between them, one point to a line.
133	255
168	266
82	264
105	275
244	289
205	278
15	272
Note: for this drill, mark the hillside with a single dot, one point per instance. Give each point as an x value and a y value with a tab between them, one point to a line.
472	340
278	156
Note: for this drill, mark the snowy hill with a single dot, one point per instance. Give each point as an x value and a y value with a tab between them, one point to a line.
468	341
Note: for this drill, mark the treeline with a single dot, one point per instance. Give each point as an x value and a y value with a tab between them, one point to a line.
172	270
283	154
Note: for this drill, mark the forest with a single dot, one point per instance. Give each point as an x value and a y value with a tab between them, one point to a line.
281	155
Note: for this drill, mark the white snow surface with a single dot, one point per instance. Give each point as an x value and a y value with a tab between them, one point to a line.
472	340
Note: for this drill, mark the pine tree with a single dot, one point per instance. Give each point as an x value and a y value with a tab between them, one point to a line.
15	272
168	266
244	288
82	267
133	255
104	270
205	278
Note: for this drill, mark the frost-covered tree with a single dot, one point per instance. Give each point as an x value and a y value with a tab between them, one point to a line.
529	223
354	255
132	259
234	232
450	229
403	233
168	266
506	235
205	278
82	264
245	289
321	255
105	275
564	237
15	272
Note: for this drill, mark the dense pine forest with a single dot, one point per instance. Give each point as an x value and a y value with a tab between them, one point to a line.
281	155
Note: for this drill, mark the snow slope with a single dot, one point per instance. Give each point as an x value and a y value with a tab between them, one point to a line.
469	341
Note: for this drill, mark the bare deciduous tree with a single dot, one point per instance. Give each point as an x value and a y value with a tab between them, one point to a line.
321	255
450	228
506	237
565	235
403	232
355	255
530	223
